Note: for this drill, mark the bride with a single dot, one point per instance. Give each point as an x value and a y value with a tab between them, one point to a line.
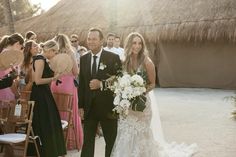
135	136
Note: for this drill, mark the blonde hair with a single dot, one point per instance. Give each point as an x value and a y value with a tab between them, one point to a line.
143	53
49	45
64	43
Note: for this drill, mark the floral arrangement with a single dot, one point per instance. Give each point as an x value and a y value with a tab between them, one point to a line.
129	90
102	66
233	99
234	111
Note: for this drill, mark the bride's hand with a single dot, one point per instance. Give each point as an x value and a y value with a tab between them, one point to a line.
110	80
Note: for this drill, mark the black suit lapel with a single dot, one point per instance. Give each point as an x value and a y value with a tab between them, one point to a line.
88	70
101	61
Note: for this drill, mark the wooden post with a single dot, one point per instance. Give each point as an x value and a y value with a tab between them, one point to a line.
113	15
8	16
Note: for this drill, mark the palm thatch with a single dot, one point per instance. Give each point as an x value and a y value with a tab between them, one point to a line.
156	19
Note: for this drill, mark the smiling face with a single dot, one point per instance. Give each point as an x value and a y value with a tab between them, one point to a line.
94	41
34	48
137	45
110	41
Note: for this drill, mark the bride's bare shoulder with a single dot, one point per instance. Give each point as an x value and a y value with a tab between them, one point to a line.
148	62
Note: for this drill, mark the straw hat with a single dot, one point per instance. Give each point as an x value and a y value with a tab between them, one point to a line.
61	63
10	58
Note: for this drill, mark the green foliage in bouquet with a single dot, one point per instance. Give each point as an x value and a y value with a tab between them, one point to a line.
233	98
139	103
234	111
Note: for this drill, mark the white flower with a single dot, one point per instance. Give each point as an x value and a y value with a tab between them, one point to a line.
137	80
124	103
102	66
124	81
116	100
125	88
127	92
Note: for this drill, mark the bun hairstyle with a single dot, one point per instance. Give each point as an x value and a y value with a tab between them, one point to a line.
64	43
3	42
49	45
29	34
14	38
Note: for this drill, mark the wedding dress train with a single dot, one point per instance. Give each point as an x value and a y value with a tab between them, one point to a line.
135	136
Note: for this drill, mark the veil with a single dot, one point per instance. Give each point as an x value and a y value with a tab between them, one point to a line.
156	122
169	149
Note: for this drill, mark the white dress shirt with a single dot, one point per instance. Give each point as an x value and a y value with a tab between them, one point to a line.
97	60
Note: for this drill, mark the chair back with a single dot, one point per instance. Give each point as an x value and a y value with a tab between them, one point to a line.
19	125
63	101
64	104
4	109
25	95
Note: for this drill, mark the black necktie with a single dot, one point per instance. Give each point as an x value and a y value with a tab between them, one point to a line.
94	67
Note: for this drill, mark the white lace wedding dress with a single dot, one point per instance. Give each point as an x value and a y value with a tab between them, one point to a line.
135	136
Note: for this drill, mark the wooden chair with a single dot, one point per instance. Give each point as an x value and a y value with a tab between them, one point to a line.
25	95
4	111
64	104
18	117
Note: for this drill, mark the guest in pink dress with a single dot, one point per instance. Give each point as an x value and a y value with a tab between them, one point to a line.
67	86
12	42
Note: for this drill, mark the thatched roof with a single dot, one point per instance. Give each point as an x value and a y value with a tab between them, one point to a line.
157	19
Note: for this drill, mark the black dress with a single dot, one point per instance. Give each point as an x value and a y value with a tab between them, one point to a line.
46	119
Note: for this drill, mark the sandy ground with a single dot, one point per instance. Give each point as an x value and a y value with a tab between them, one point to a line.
199	116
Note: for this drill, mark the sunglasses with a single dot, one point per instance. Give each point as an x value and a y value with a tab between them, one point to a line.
73	41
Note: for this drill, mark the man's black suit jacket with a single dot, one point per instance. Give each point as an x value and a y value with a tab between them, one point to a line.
102	99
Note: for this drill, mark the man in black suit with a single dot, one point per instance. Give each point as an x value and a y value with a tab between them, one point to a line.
95	101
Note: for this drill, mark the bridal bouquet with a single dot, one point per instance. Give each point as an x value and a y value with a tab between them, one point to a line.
129	92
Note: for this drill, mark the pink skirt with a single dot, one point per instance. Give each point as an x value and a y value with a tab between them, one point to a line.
75	140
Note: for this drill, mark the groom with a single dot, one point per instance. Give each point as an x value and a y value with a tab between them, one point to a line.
95	101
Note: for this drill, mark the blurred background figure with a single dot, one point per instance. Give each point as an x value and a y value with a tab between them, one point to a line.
118	49
82	50
31	49
67	86
13	42
110	43
74	39
30	35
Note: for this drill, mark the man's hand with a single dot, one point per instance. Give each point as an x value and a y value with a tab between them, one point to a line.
95	84
81	112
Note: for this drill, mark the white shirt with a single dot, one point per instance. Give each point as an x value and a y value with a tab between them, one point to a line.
119	51
97	60
113	49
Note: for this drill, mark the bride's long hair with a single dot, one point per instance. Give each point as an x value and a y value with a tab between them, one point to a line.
143	53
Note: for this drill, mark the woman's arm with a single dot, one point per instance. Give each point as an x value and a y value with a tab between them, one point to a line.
75	69
37	74
151	74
